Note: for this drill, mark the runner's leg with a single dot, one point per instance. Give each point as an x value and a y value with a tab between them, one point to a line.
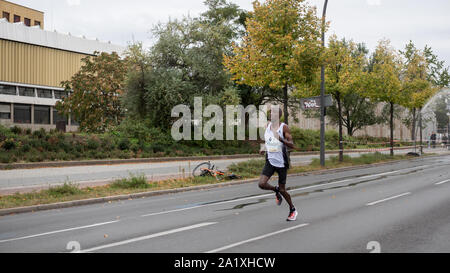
264	183
282	177
286	195
267	172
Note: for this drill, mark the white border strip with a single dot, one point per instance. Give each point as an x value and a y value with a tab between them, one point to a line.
148	237
442	182
387	199
58	231
256	238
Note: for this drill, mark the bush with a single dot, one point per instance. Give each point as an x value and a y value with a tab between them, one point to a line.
5	158
107	143
124	144
16	130
9	144
134	182
306	140
93	143
65	190
247	168
26	148
40	134
157	148
141	131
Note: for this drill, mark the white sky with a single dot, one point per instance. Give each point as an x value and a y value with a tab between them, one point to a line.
424	22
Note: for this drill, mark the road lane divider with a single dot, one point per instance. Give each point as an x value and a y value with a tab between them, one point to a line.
442	182
142	238
256	238
387	199
58	231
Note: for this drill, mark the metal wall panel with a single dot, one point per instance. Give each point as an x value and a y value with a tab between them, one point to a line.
31	64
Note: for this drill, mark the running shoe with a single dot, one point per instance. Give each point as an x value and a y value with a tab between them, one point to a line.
278	197
292	215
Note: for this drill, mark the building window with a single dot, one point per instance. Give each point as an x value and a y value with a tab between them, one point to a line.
16	18
44	93
22	113
26	91
60	94
27	22
57	117
37	23
41	114
6	16
5	111
7	90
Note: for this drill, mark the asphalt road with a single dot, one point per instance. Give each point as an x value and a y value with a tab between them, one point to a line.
10	180
402	207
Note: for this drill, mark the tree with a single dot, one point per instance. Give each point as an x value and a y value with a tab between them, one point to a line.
138	64
281	47
438	75
345	70
185	62
343	75
440	110
415	81
357	113
384	83
95	93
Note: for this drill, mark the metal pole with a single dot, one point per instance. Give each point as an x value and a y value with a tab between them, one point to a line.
322	93
420	128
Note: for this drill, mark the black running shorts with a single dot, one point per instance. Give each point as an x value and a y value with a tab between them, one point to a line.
269	170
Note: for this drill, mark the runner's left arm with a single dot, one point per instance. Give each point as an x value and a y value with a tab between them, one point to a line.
288	141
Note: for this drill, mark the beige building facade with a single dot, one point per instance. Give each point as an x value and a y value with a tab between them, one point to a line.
33	63
15	13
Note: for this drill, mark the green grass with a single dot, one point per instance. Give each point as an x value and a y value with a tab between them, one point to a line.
363	159
247	169
138	183
134	182
65	190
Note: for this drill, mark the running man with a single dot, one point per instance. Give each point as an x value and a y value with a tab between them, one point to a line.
277	138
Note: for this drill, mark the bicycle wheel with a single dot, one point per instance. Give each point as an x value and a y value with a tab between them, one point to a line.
200	170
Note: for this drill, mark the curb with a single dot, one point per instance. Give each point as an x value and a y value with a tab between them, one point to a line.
91	201
56	164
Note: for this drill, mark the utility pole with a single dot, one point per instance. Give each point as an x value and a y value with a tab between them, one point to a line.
322	93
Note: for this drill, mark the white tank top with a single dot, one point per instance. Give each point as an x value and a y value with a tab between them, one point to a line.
274	147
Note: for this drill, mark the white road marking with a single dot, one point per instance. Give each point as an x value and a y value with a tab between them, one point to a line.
149	236
387	199
442	182
57	231
256	238
378	174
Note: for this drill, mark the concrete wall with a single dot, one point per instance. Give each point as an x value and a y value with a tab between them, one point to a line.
401	132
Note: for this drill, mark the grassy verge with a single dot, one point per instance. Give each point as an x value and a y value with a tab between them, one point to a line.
138	183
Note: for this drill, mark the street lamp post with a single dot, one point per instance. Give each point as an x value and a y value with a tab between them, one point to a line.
322	93
448	124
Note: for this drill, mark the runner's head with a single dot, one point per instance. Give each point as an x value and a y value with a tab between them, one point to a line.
275	114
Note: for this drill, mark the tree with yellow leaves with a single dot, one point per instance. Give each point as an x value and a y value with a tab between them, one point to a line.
414	81
384	81
281	47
